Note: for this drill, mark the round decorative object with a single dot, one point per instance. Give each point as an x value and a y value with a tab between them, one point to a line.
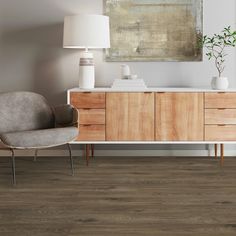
220	83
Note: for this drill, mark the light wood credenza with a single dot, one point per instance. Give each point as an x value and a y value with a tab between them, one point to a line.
155	115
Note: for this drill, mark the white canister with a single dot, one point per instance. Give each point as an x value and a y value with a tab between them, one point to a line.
125	71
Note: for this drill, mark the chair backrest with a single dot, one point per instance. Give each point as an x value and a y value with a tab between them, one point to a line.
22	111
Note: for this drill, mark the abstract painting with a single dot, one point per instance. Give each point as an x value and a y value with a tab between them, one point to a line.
154	30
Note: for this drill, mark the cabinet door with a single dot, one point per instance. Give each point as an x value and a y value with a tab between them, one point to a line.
179	117
130	116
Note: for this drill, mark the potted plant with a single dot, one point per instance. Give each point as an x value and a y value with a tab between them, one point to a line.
216	50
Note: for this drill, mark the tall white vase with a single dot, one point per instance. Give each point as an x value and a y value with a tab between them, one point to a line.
220	83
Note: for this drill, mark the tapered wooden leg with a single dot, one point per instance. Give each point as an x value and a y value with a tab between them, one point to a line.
87	153
216	150
92	148
222	152
84	151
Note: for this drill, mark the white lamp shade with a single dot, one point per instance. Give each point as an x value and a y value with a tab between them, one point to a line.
86	31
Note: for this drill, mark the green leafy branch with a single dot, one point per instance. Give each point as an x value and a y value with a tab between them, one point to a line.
216	46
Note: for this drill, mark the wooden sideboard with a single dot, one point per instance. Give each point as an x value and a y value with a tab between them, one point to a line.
155	115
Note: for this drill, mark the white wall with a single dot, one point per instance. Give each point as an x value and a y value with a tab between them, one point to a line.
32	58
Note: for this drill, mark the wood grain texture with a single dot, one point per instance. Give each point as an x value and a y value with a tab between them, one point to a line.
91	133
126	196
220	133
220	100
92	116
130	117
88	100
220	116
179	117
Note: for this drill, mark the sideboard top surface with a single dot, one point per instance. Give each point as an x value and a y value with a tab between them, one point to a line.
153	89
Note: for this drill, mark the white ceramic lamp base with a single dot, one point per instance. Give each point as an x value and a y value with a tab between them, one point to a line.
86	71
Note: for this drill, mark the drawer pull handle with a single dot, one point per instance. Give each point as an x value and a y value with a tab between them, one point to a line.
147	92
221	109
86	125
161	92
221	125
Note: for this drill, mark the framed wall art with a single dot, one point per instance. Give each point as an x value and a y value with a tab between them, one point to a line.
154	30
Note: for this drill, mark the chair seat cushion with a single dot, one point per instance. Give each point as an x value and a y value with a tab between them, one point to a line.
39	138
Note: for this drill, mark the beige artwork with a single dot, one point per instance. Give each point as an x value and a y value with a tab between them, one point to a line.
154	30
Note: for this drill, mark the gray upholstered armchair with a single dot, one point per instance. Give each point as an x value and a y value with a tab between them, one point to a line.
28	122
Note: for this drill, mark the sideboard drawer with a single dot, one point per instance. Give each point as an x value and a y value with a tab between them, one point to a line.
91	133
220	132
92	116
88	100
220	116
220	100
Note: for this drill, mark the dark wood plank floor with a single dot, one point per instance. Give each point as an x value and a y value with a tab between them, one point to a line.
123	196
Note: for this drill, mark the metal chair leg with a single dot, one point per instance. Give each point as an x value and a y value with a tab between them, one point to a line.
13	167
35	154
71	160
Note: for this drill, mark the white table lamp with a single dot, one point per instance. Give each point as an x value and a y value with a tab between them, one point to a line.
86	32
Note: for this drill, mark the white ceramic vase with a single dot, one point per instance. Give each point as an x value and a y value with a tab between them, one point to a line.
220	83
125	71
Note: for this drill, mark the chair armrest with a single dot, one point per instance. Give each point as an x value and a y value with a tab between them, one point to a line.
2	145
66	115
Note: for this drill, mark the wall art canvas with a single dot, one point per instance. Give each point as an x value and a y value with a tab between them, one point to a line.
154	30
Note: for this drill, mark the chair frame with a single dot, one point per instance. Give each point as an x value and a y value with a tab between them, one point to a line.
13	161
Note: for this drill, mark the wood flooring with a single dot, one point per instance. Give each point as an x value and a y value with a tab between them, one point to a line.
119	196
